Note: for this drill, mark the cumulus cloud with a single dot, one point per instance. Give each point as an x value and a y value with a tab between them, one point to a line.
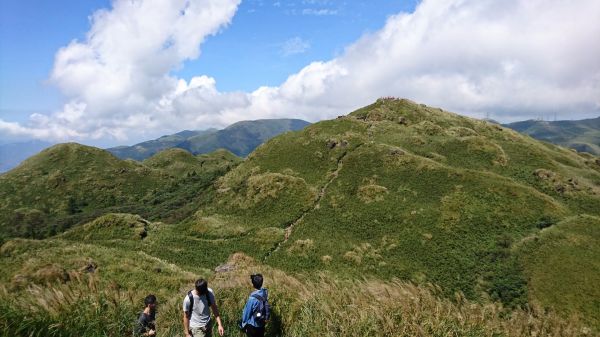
514	59
117	79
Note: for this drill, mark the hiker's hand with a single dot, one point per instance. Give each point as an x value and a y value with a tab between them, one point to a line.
221	330
151	333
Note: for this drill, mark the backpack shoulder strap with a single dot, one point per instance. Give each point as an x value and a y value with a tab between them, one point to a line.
208	298
191	298
258	297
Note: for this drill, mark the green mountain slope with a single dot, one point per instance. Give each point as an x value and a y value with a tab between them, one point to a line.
554	256
240	138
398	189
70	183
581	135
394	192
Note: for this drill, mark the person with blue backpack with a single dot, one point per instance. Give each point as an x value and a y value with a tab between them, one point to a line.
257	310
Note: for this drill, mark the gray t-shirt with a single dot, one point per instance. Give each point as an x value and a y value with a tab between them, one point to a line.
201	311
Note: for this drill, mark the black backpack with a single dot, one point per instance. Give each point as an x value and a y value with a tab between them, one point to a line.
191	297
263	311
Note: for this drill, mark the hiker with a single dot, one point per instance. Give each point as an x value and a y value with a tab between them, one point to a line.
257	310
196	311
145	324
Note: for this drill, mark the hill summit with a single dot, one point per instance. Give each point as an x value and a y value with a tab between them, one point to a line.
402	190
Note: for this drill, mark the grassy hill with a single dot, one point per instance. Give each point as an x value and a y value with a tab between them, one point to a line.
71	183
402	190
240	138
396	220
581	135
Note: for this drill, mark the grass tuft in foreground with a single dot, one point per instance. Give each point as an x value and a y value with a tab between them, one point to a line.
315	305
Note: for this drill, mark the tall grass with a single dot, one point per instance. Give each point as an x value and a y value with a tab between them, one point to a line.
79	308
310	305
321	305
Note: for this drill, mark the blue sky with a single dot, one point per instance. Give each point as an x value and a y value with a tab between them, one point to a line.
249	53
114	72
30	34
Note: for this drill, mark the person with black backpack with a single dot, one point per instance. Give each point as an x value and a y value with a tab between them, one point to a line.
257	310
196	311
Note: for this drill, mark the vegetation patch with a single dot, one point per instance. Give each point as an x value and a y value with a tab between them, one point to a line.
268	235
371	192
113	227
570	286
270	185
216	226
461	131
301	247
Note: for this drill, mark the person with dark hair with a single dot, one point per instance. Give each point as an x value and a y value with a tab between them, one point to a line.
196	311
146	322
257	310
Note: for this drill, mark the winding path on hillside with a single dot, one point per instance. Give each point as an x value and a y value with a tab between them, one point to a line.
316	204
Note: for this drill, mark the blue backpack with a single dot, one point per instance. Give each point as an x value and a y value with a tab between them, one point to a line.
263	311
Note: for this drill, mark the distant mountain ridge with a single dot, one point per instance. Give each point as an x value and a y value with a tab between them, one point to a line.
240	138
581	135
148	148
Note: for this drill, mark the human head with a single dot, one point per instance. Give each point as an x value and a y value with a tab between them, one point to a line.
257	280
201	286
150	301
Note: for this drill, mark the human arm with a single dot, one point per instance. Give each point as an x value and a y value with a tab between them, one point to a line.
150	332
186	325
186	317
215	311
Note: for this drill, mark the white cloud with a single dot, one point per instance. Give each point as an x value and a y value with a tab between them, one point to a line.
319	11
511	58
117	78
514	59
295	45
